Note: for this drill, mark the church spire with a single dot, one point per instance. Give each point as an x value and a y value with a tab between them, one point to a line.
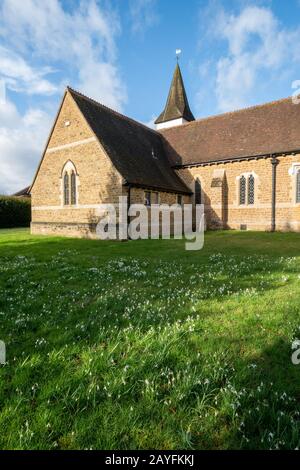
177	110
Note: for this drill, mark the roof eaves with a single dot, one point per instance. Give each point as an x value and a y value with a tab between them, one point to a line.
237	159
158	188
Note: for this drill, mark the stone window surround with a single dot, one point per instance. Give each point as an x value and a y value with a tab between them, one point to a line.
293	171
68	168
256	180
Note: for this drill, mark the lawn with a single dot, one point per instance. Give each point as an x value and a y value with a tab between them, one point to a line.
142	345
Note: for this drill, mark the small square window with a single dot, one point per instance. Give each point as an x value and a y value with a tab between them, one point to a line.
155	198
147	198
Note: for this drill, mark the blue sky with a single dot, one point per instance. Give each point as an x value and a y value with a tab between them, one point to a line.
235	53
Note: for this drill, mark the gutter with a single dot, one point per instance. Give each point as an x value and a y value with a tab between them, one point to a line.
156	188
236	159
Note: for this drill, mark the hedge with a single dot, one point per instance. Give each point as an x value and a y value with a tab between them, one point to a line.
14	212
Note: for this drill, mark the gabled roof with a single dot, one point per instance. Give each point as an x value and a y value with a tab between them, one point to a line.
261	130
177	105
135	150
23	193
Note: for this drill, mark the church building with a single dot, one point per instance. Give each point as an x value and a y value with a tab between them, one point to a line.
244	166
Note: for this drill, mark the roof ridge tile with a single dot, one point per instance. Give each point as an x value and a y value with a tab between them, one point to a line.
113	111
227	113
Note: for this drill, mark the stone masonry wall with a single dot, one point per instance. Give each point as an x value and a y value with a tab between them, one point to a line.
222	206
98	181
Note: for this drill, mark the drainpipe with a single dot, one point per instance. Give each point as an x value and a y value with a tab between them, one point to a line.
274	163
128	206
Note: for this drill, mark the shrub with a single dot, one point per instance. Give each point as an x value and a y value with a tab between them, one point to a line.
14	212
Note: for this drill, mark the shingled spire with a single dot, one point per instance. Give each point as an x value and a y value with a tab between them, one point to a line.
177	110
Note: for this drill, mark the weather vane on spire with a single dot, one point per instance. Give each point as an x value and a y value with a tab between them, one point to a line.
178	52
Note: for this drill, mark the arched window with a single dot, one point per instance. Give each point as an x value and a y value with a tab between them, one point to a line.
66	189
298	187
242	190
198	196
251	188
69	184
73	188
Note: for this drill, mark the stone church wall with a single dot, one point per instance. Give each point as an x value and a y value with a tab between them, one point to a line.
220	194
97	180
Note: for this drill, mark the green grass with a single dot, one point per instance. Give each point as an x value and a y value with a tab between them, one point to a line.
142	345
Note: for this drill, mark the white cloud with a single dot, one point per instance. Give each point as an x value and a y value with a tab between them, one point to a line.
151	122
21	141
39	42
83	41
256	43
19	76
143	15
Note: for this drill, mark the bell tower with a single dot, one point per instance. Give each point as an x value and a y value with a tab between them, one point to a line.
177	110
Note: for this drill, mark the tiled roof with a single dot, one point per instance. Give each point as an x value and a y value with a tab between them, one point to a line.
260	130
23	193
136	151
177	105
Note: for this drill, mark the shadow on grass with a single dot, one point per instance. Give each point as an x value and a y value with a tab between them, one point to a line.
266	399
84	297
73	282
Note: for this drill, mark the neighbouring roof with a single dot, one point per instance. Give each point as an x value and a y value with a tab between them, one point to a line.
136	151
177	105
260	130
23	193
